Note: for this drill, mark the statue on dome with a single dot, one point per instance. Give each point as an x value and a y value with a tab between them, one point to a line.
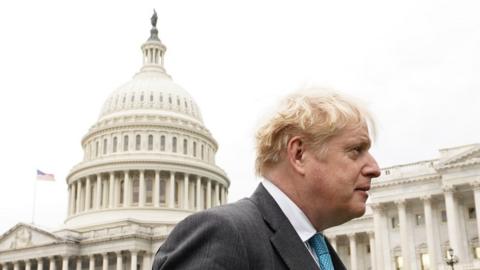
154	18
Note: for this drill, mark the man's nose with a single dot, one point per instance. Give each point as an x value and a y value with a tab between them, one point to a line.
371	169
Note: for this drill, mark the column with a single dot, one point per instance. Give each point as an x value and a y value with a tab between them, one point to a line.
40	263
452	222
476	194
402	217
141	187
209	193
133	258
427	209
78	263
119	260
79	186
69	208
371	242
16	265
65	262
156	189
185	191
217	193
117	191
378	217
146	264
87	193
171	193
105	261
52	263
199	193
126	189
98	193
222	195
28	265
333	241
91	263
353	251
111	192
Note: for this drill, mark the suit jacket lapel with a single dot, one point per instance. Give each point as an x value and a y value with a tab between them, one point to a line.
284	238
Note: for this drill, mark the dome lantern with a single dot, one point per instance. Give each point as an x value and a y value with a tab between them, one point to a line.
153	49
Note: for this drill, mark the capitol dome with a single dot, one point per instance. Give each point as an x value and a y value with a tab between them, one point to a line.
149	157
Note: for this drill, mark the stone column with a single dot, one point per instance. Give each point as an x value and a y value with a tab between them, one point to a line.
16	265
427	209
79	187
371	242
156	189
105	261
28	265
146	264
402	217
353	251
209	193
65	263
217	193
52	263
69	208
91	263
133	259
87	193
333	242
40	263
452	223
98	193
111	192
222	195
126	189
118	188
198	193
119	260
78	263
383	260
476	194
186	185
171	193
141	187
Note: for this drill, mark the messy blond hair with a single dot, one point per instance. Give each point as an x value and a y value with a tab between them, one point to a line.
315	114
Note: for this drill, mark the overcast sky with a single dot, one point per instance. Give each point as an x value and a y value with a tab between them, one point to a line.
415	63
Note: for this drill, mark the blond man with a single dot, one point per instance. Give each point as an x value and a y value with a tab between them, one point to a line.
313	156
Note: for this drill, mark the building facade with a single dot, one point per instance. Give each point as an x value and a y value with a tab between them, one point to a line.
149	162
415	213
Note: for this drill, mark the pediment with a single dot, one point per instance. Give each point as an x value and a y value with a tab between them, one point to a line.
25	236
466	154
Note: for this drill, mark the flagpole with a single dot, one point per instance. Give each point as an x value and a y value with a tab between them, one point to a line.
34	200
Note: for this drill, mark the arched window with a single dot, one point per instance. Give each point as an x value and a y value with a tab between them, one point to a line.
96	148
114	148
174	144
162	143
185	147
125	143
201	152
135	189
150	142
195	149
104	146
121	192
138	141
149	186
163	193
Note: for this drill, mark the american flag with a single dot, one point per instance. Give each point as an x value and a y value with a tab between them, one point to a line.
45	176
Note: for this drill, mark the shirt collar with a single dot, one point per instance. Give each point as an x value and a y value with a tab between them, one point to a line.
295	215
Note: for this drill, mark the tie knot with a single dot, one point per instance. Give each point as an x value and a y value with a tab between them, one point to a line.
317	242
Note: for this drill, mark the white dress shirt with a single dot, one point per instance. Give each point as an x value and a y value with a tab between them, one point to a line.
302	225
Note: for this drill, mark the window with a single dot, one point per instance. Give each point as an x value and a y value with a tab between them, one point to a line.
138	141
125	143
163	187
201	151
395	223
162	143
174	144
135	189
115	141
149	186
398	263
471	213
419	219
185	146
150	142
194	149
424	261
444	215
104	146
96	148
121	191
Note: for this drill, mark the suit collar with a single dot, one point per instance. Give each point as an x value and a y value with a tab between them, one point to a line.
284	238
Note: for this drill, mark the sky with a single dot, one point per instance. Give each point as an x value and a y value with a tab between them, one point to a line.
415	63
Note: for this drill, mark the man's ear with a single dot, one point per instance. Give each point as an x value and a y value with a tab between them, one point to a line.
296	154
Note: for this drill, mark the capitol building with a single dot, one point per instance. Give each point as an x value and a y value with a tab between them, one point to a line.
149	162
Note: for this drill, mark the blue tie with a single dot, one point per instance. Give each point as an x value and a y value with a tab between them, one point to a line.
317	243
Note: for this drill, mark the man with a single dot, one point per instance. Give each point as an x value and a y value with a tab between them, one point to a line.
316	168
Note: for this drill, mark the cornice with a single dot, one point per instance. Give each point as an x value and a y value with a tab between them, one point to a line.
402	181
467	163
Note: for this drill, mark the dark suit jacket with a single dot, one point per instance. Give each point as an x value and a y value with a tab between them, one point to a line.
252	233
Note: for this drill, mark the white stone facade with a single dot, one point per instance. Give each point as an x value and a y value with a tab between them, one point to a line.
415	213
149	162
